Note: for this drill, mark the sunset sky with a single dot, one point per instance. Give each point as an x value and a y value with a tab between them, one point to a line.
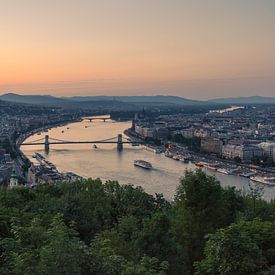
191	48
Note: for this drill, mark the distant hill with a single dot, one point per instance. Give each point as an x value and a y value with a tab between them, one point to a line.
142	99
244	100
32	99
86	101
127	102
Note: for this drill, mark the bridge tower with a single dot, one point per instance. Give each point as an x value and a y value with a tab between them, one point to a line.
119	142
47	144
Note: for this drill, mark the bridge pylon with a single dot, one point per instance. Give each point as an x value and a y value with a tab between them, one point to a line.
47	144
119	142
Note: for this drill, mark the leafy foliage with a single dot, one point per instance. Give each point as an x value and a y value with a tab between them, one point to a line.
90	227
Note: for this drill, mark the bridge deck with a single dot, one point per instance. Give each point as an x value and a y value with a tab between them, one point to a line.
81	142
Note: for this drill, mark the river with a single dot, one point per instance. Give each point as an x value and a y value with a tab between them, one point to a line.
106	163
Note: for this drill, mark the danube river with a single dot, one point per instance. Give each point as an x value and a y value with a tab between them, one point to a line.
107	163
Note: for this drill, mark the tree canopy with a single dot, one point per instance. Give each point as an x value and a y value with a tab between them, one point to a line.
90	227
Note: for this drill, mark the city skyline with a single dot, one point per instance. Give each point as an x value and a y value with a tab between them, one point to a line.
200	50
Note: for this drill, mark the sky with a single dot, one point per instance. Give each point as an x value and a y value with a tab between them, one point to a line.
192	48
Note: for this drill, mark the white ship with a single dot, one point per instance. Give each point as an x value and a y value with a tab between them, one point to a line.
152	149
224	171
265	180
143	164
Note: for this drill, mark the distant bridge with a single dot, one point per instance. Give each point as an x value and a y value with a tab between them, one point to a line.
97	118
47	141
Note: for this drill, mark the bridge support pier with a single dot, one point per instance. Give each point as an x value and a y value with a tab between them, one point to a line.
47	144
119	142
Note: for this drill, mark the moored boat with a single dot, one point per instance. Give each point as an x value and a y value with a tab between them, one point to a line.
168	154
176	157
224	171
265	180
184	159
199	164
143	164
211	166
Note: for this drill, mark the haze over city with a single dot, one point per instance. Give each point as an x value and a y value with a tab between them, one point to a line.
194	49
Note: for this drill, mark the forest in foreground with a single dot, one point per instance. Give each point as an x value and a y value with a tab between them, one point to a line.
90	227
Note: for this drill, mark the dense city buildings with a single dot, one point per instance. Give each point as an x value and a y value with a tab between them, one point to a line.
241	134
18	121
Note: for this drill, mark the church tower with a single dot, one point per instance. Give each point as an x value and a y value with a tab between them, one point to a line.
13	179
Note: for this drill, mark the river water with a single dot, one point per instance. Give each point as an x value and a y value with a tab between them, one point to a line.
106	163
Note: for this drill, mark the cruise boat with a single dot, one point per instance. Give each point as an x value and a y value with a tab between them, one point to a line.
199	164
143	164
265	180
151	149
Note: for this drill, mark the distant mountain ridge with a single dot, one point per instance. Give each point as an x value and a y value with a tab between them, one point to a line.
84	100
127	101
141	99
31	99
244	100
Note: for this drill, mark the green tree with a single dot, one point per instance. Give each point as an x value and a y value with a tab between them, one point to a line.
201	207
63	253
242	248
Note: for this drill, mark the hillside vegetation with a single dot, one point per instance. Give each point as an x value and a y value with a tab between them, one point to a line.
90	227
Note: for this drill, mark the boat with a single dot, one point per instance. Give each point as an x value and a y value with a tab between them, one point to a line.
247	175
176	157
199	164
223	171
265	180
39	157
143	164
184	160
135	144
168	154
211	166
151	149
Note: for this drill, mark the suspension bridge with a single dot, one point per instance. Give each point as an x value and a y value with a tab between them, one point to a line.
47	142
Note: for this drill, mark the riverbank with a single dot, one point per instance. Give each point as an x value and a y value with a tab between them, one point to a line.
178	152
22	159
106	163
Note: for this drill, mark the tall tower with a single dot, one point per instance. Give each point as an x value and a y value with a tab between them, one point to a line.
13	179
47	144
119	142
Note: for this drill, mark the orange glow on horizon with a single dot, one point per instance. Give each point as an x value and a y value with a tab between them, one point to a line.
137	46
